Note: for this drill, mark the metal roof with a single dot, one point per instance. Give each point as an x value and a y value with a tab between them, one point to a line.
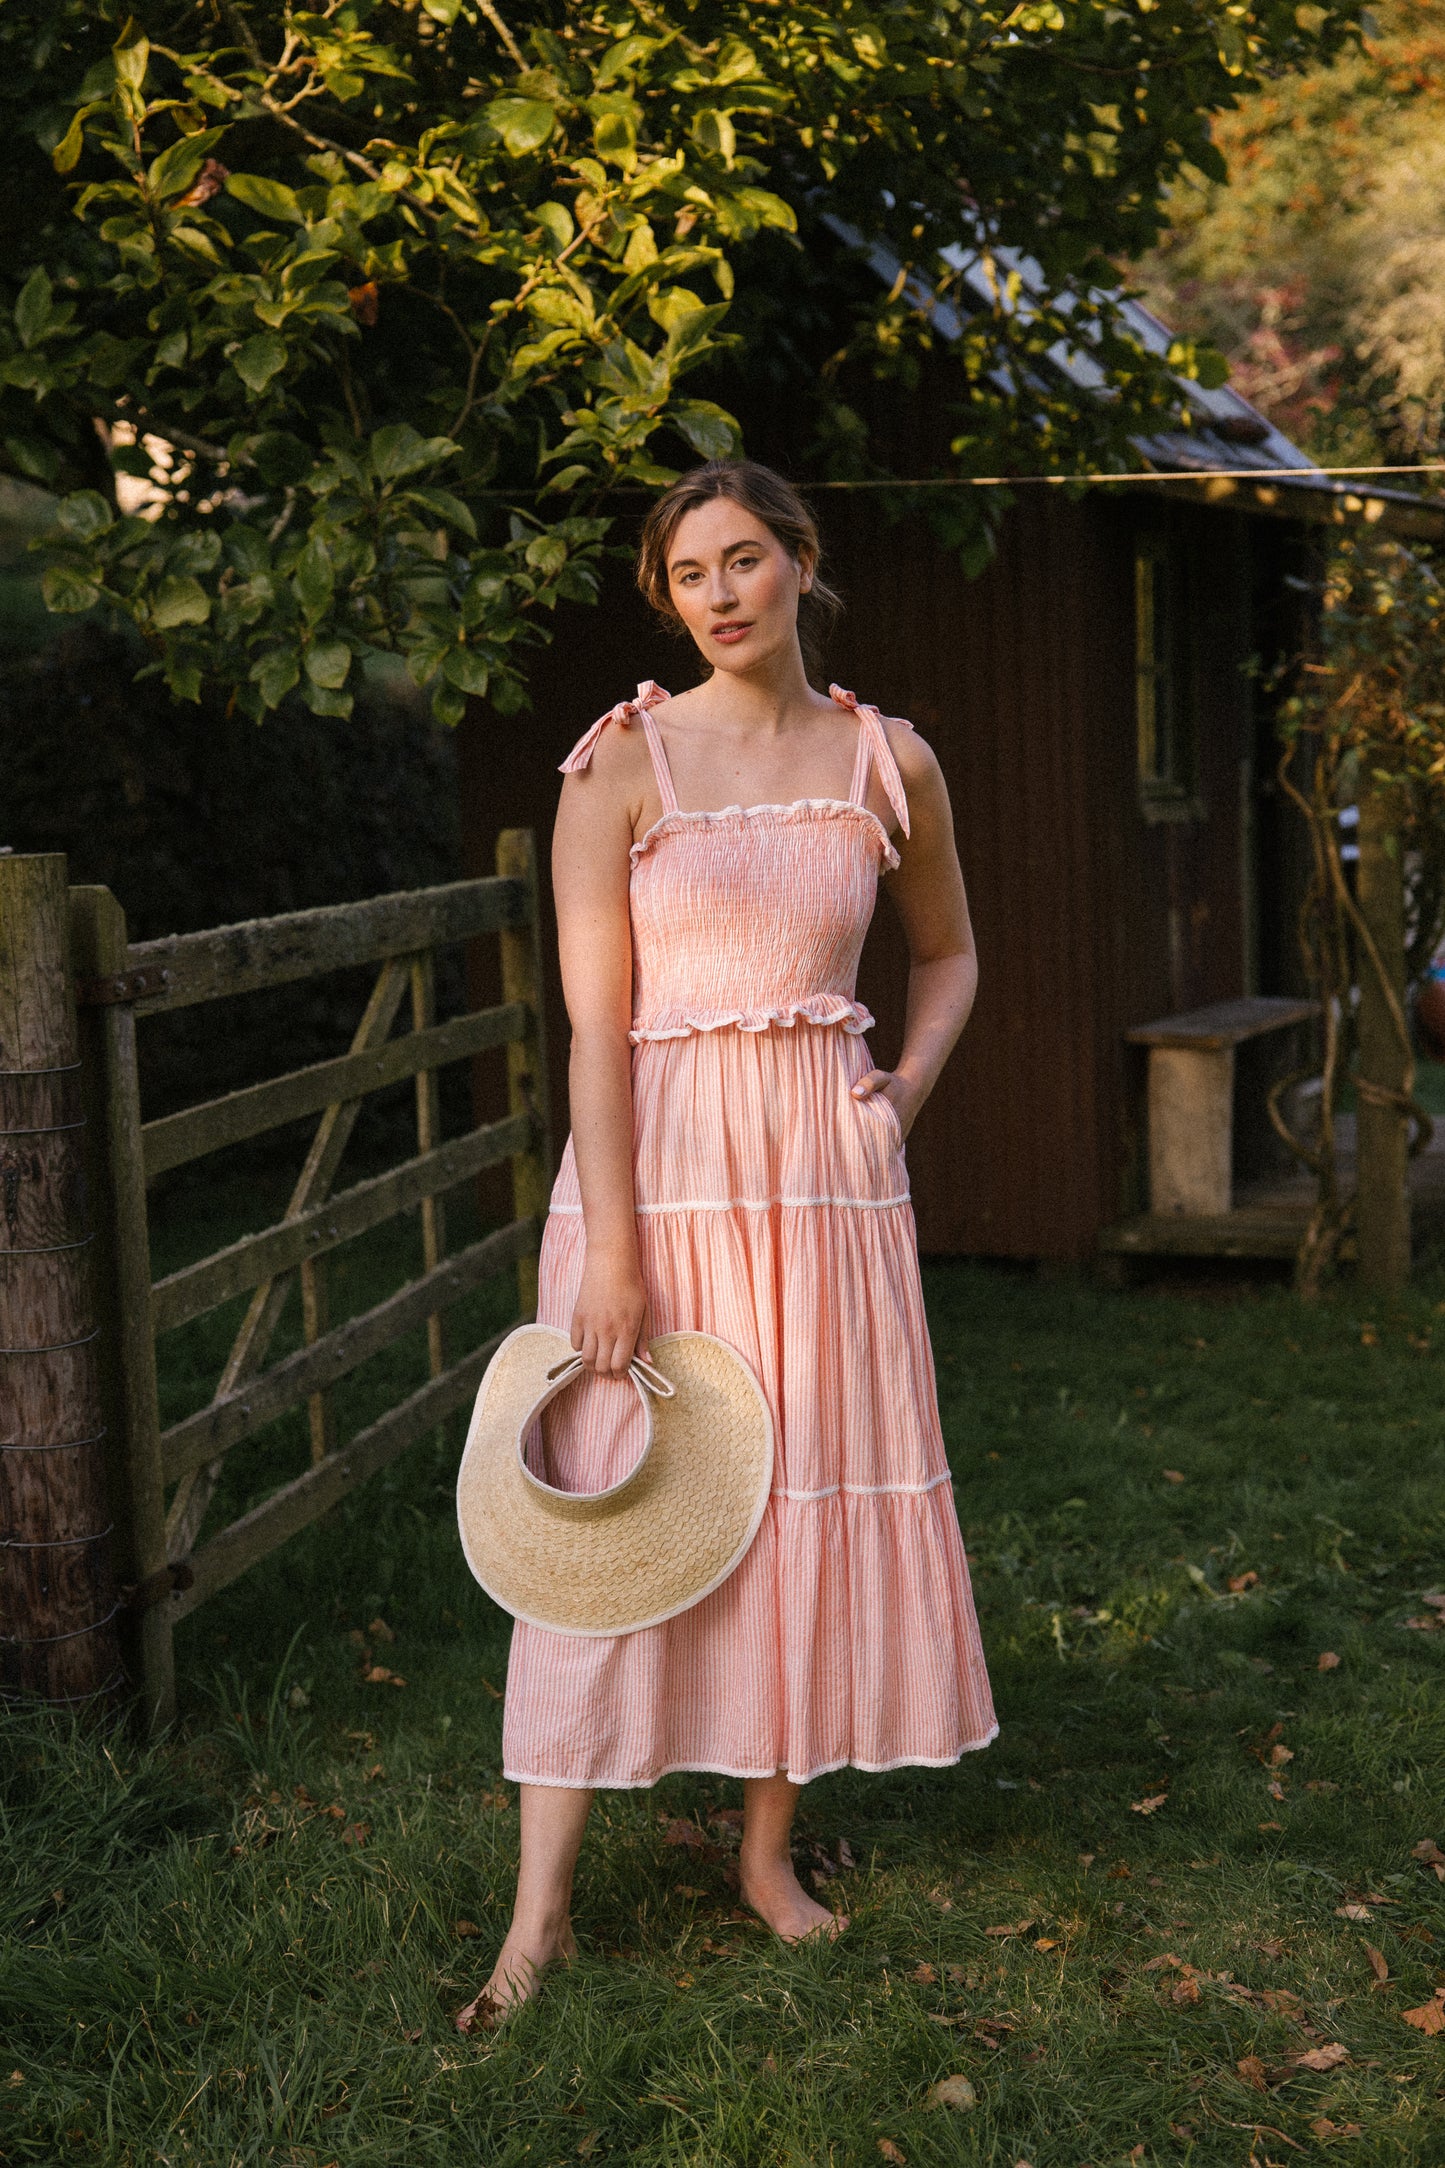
1227	433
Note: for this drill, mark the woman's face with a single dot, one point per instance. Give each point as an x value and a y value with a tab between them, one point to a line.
734	585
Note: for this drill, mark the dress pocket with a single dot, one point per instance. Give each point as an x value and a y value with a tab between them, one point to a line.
890	1115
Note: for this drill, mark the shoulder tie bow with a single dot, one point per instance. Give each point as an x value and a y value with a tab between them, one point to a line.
649	695
870	722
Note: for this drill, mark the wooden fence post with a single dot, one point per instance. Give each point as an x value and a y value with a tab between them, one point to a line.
58	1600
117	1165
1382	1205
527	1057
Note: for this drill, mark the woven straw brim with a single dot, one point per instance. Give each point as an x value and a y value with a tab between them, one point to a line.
611	1565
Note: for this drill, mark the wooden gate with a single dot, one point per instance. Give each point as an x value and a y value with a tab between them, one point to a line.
163	1480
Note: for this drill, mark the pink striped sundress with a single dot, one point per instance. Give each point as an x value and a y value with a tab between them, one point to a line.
772	1210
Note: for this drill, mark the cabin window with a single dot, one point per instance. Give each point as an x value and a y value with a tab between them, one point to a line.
1166	752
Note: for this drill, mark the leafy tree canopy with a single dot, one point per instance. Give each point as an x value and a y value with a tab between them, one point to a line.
378	301
1318	266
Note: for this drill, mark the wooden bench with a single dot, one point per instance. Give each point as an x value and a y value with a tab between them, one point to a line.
1193	1145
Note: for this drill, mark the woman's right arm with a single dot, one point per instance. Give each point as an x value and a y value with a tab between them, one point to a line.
590	869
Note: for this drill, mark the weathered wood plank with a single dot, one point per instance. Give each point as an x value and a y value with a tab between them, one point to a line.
260	1257
428	1136
98	925
195	1131
1224	1023
522	983
215	1429
287	1511
258	952
1248	1231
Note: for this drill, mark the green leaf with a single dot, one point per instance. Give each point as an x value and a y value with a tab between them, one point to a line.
547	554
399	449
280	458
524	124
314	578
448	704
68	592
557	220
183	675
444	506
259	359
735	62
271	198
467	671
247	551
66	155
641	248
622	58
672	305
32	308
615	135
714	133
173	172
328	662
709	429
131	57
443	11
179	601
275	674
84	515
322	700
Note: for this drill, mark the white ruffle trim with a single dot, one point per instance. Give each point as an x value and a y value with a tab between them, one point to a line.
822	1009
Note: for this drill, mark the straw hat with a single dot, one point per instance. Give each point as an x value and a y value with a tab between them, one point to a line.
655	1543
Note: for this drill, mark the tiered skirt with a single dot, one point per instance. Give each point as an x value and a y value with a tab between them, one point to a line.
773	1211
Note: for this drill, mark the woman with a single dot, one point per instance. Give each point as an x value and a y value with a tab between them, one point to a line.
736	1167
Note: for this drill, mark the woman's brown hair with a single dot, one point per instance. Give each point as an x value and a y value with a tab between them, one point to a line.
769	498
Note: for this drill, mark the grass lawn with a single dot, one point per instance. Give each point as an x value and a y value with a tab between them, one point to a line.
1176	1914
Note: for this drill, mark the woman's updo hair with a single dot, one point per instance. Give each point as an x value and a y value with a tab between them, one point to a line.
769	498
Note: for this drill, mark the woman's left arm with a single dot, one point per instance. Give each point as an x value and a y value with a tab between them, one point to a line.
927	889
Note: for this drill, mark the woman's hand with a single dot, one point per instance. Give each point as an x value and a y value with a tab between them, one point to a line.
609	1324
905	1098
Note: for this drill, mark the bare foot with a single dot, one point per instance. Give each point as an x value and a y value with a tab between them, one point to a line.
516	1978
778	1897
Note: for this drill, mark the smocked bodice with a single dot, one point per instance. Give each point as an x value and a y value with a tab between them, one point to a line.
754	916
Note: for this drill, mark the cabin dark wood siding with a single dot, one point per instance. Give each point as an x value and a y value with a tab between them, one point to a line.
1088	917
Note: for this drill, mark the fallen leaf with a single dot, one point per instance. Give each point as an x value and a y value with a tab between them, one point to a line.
357	1638
1251	2069
688	1889
587	2145
488	1688
1275	1788
998	1934
955	2092
1435	1598
1429	1854
496	1802
1239	1582
1369	1337
1426	1623
941	1898
376	1773
1046	1942
1086	1859
1377	1964
1328	1661
1271	1825
412	2035
1353	1912
684	1979
380	1631
1320	1784
17	2077
466	1930
846	1860
1271	1949
1151	1805
892	2152
356	1833
1324	2128
365	303
924	1974
1136	2152
1184	1991
1280	1756
1173	1475
1279	1998
378	1675
686	1834
1328	2057
1430	2016
335	1813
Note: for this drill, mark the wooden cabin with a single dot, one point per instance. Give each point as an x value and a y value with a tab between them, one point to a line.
1111	761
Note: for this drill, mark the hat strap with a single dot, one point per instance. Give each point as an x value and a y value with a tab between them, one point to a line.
647	1380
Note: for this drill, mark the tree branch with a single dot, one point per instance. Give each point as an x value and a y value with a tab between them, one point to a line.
514	51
